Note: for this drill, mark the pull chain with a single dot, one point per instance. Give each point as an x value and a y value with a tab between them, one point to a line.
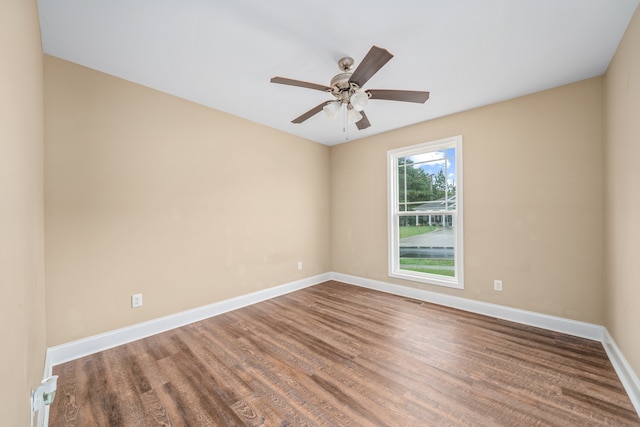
345	127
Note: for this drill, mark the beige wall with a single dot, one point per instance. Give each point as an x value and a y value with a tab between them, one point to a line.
533	193
622	201
147	193
21	210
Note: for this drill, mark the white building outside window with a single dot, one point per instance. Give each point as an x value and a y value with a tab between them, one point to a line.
425	212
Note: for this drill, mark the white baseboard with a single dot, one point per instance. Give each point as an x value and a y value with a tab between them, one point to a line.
43	417
76	349
558	324
627	376
625	372
84	347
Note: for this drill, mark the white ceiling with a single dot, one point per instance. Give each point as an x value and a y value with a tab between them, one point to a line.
222	53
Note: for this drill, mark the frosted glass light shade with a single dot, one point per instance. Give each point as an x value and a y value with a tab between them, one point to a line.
332	109
359	100
353	116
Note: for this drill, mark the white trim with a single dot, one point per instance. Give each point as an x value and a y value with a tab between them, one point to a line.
76	349
393	237
430	279
625	372
48	367
84	347
43	416
558	324
591	331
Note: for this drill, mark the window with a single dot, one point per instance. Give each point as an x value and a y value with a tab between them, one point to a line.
425	212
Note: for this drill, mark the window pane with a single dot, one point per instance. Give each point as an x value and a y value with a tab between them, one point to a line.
401	193
427	244
425	219
427	181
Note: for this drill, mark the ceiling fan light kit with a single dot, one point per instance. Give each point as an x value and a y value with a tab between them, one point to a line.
359	100
346	87
353	115
332	109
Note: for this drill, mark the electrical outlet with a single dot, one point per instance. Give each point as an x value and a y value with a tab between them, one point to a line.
497	285
299	265
136	300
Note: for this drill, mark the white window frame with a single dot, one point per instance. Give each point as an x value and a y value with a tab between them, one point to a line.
393	203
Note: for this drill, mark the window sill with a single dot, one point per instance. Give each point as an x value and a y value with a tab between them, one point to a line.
430	279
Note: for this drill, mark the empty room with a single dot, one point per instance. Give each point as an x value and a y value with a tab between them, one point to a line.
251	213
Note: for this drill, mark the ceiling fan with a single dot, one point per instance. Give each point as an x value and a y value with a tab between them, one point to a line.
346	87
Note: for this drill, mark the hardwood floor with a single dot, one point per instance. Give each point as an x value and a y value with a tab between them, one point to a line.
340	355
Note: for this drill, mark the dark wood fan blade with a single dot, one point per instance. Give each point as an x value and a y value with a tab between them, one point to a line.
315	110
363	123
371	63
291	82
399	95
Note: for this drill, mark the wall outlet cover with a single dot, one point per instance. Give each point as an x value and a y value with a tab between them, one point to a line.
136	300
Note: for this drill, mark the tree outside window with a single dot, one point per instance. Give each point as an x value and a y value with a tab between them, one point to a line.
425	212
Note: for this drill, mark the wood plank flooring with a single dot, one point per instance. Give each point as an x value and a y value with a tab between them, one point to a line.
340	355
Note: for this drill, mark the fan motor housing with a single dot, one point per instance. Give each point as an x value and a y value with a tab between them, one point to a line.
342	89
341	81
